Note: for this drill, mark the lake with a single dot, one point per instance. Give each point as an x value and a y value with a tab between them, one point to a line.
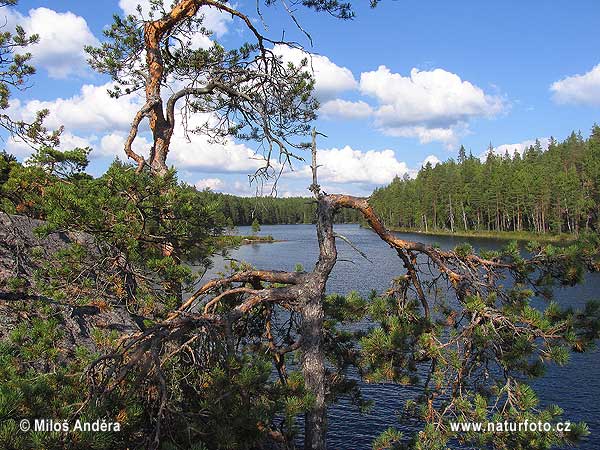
574	387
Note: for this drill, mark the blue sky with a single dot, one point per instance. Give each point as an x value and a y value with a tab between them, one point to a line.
399	84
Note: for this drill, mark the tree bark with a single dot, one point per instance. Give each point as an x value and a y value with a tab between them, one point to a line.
313	355
313	370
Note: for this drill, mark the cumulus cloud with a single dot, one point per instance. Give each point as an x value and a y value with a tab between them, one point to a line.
113	144
330	79
108	145
345	109
213	184
347	165
68	141
199	154
426	135
190	152
196	152
431	105
431	159
578	89
241	188
519	148
92	109
62	39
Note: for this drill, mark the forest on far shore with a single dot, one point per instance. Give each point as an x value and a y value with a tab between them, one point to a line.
552	191
274	210
540	191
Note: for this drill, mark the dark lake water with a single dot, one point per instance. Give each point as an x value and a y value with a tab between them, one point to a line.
574	387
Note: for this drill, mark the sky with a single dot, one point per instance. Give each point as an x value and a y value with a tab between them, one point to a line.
399	85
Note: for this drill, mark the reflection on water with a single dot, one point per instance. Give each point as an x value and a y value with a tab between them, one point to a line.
574	387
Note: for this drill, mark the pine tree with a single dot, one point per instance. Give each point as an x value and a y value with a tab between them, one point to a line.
255	226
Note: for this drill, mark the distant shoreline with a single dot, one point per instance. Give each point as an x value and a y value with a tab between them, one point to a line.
236	240
503	235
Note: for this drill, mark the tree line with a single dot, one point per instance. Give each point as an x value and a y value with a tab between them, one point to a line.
552	191
273	210
231	210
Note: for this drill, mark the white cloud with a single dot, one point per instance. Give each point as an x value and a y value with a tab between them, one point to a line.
287	193
68	141
129	7
113	144
330	79
519	148
198	153
431	105
242	188
579	89
62	39
426	135
192	152
431	159
213	184
246	189
345	109
90	110
346	165
18	148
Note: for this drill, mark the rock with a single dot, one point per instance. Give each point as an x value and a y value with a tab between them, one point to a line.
20	302
18	240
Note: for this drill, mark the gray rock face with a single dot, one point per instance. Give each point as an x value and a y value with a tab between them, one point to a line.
21	302
18	240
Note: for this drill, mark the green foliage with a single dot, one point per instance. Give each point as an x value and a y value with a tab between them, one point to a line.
390	351
229	403
390	439
505	347
38	381
464	250
16	284
144	226
555	191
345	309
274	210
255	226
66	164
